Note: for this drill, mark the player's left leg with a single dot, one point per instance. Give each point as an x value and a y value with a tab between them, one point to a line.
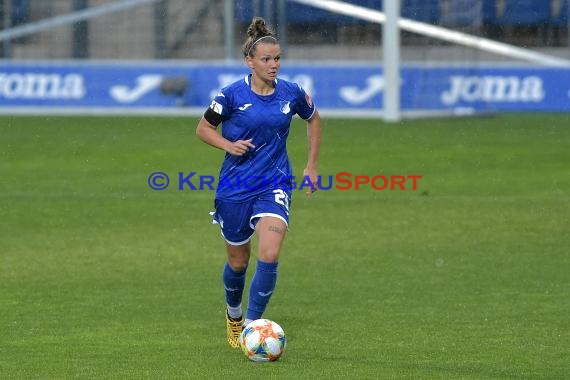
271	233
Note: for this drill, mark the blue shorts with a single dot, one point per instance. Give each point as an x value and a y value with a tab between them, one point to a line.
237	220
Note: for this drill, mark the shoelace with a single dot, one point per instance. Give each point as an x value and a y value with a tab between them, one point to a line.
235	326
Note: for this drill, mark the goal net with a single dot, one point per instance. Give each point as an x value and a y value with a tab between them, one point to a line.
450	50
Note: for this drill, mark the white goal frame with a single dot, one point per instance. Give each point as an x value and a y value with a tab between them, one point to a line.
392	23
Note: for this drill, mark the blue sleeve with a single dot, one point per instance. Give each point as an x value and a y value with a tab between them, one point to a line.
305	107
221	104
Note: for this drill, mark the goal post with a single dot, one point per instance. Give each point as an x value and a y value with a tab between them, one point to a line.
391	54
461	43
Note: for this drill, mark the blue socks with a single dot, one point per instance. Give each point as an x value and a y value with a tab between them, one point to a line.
234	283
260	291
262	286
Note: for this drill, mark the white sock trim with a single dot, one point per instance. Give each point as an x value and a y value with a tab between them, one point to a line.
235	312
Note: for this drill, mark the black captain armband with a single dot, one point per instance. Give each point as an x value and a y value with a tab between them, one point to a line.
212	117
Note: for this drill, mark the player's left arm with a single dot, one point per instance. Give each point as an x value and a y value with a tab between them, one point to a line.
314	140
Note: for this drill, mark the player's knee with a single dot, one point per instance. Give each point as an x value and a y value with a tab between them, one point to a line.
238	264
238	257
269	254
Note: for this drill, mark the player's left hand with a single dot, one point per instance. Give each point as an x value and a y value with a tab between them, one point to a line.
313	177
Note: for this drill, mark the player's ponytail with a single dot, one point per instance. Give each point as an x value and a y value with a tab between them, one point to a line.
258	30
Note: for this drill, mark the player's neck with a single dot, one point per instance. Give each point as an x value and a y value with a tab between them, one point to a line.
262	87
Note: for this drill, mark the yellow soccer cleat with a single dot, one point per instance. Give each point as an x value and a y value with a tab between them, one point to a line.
234	328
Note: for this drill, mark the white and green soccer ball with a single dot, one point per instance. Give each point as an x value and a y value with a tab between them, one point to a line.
263	341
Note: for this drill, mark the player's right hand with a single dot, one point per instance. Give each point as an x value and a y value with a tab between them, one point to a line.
240	147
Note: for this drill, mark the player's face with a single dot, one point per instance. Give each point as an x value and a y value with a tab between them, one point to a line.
266	62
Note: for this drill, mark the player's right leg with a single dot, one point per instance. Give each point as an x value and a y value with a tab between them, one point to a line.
234	282
233	219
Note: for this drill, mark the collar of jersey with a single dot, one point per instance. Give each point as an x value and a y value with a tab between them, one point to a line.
247	80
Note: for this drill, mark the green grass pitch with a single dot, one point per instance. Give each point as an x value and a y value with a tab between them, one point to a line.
467	277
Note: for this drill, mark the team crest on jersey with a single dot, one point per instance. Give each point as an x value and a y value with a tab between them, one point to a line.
285	107
216	107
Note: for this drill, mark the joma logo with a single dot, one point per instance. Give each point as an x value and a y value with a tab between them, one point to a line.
494	89
41	86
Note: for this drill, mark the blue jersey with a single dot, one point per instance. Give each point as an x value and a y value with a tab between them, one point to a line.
265	120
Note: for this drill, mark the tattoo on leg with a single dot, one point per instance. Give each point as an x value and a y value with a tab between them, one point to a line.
275	229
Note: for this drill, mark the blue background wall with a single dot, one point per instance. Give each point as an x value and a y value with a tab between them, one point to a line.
337	87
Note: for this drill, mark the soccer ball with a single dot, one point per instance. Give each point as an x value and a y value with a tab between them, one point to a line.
263	341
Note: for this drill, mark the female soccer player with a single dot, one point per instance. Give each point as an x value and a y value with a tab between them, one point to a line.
254	189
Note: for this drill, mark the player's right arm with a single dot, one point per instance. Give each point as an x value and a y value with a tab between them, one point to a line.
206	131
